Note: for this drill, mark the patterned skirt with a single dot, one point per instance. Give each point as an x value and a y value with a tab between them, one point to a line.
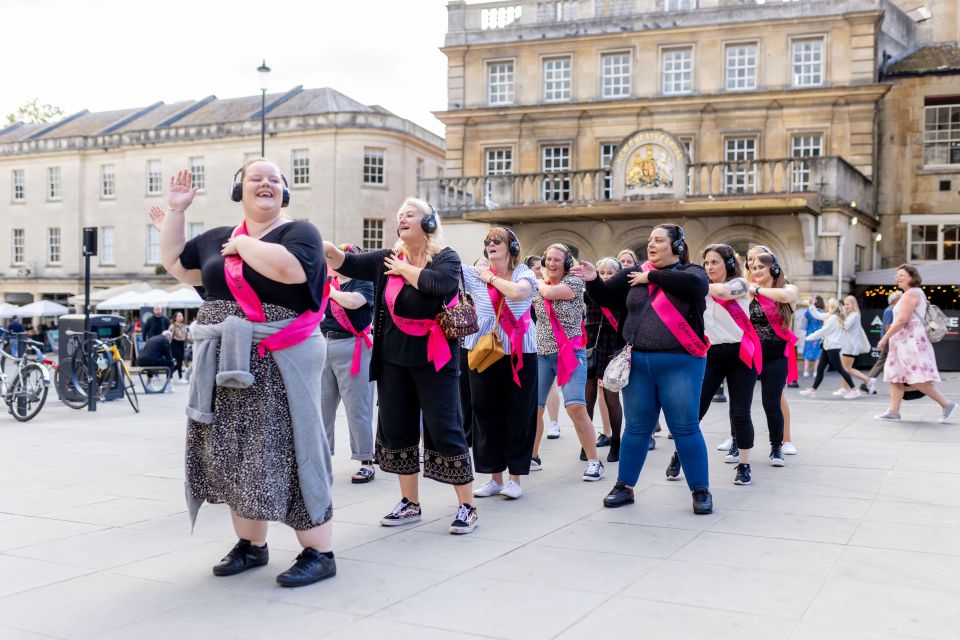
910	357
246	458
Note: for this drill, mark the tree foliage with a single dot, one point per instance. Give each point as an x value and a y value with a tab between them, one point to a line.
32	112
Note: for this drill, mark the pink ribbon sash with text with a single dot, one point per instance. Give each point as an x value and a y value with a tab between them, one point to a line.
362	337
675	322
515	330
750	351
775	318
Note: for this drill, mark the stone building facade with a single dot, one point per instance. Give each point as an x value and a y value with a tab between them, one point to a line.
349	167
746	121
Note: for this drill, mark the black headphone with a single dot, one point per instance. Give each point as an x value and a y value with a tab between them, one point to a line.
236	192
429	223
567	261
513	246
680	244
775	269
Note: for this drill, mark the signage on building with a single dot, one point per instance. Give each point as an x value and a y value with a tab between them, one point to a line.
649	163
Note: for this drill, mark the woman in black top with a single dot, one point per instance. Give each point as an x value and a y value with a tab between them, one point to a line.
414	366
253	452
667	370
603	341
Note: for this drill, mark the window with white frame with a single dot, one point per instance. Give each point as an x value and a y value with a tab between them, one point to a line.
739	172
556	79
372	233
607	151
741	67
373	166
54	184
615	75
53	245
937	241
498	162
500	82
301	167
807	62
859	253
108	241
941	134
950	233
677	70
194	229
803	146
152	249
154	178
18	185
680	5
556	159
198	169
17	245
108	181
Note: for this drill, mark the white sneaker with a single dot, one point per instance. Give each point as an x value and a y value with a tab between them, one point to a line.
511	490
853	394
872	385
554	431
789	449
492	488
536	464
810	393
840	391
725	445
594	471
948	412
806	374
183	381
888	416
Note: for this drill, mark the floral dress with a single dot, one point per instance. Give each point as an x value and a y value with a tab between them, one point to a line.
910	357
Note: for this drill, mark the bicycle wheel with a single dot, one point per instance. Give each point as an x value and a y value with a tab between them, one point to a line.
29	392
68	387
128	389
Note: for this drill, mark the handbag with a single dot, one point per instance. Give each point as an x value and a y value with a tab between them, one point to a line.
461	320
489	348
617	374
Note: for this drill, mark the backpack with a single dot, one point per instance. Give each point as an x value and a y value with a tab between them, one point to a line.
935	322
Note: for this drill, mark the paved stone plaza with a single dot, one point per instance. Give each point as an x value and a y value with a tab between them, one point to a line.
855	538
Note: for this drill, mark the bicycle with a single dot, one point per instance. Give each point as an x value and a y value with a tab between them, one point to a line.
27	393
111	372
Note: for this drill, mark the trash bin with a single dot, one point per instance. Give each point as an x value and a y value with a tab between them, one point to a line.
104	326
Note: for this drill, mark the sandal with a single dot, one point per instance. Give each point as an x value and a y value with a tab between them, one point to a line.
363	475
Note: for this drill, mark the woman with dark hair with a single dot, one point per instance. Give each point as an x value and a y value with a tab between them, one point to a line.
663	329
811	349
910	358
603	342
771	312
178	345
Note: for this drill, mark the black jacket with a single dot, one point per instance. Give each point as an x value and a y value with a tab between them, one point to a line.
154	326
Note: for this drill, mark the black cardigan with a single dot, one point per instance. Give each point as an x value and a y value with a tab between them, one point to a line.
686	286
439	279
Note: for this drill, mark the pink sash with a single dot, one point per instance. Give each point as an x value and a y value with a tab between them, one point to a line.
515	330
438	349
294	333
363	337
750	351
675	322
610	318
566	358
775	318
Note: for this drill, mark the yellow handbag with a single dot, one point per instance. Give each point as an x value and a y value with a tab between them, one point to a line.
489	348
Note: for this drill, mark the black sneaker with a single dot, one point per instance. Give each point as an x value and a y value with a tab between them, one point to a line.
405	512
673	469
733	455
583	455
603	440
864	388
702	501
620	495
243	556
743	474
311	566
776	456
614	454
793	385
466	520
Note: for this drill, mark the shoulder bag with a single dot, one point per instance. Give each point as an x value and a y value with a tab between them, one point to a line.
489	348
460	320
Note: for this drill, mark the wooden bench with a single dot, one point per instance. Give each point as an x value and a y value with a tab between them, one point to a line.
146	372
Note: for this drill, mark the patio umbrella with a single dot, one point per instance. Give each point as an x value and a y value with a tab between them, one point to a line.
122	302
8	310
43	309
182	298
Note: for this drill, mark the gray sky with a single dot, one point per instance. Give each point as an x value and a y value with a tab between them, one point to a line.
114	54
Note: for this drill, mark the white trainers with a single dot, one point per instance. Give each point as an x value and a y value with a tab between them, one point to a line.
948	412
725	445
554	431
536	464
872	385
789	449
492	488
809	393
594	471
853	394
511	490
840	391
888	416
806	374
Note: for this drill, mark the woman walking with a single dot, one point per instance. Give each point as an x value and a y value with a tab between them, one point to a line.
854	342
252	436
178	345
831	333
414	365
910	357
603	341
663	329
504	394
811	348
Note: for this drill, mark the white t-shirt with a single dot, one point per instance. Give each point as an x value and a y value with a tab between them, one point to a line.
719	325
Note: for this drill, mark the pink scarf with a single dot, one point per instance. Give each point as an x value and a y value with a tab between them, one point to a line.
294	333
775	318
438	349
566	358
362	337
515	330
750	351
675	322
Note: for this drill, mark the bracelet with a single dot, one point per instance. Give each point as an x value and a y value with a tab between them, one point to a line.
177	210
492	278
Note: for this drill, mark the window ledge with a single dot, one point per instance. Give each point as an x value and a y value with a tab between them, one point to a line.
934	169
299	187
380	187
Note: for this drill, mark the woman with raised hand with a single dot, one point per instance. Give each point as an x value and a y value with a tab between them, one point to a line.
811	348
771	312
253	435
853	342
831	335
603	338
663	328
414	365
561	355
504	393
910	357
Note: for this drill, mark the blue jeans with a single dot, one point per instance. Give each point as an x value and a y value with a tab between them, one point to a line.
668	381
574	392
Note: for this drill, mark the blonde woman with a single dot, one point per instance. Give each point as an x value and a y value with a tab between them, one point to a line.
414	366
851	346
831	333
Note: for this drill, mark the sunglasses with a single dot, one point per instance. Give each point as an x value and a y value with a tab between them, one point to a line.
490	241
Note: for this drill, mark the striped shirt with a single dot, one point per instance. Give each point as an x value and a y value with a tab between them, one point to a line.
487	315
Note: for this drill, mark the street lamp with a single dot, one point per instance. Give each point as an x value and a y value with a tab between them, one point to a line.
264	71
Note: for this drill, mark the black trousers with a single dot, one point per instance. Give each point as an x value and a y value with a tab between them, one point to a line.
724	363
772	381
466	406
178	348
831	357
404	393
505	415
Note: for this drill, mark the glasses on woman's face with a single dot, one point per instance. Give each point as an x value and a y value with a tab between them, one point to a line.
490	241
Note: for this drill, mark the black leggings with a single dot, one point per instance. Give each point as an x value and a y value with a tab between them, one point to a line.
724	363
178	349
772	381
614	409
831	357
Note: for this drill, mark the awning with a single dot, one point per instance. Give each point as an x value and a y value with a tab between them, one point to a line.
99	295
945	272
